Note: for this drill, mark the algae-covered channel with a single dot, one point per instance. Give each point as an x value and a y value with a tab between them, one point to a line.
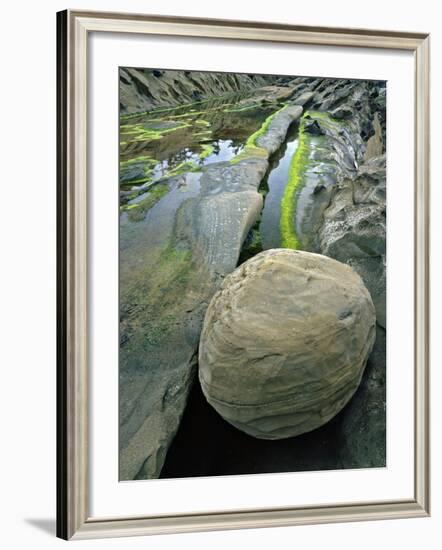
274	186
165	143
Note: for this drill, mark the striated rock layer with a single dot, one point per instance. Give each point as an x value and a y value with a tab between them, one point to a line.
285	342
354	229
341	212
147	89
341	202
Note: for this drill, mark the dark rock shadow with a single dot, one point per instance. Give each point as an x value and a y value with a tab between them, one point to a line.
206	445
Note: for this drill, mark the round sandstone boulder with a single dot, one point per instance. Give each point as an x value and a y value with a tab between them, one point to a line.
285	342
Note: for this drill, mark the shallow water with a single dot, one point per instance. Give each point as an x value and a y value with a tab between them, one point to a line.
276	182
314	195
266	232
155	144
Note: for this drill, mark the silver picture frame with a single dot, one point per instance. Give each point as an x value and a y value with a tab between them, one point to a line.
73	518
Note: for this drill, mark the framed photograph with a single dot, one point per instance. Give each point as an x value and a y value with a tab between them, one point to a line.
243	272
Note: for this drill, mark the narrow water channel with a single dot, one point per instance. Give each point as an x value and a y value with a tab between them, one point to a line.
275	182
266	232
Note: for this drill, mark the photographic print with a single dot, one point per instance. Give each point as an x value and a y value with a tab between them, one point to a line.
252	260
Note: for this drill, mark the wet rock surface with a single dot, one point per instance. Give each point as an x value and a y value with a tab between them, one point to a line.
362	426
178	246
172	262
272	362
277	130
354	229
147	89
341	205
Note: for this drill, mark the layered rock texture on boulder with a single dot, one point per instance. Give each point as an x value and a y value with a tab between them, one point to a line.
285	342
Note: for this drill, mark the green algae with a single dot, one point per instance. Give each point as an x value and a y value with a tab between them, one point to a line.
252	149
190	114
137	160
149	134
240	109
297	169
207	150
139	181
203	133
183	167
156	312
252	245
128	116
178	170
264	128
141	133
154	112
137	210
144	166
250	152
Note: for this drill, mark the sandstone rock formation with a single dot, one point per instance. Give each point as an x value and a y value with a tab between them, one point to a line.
285	342
341	204
173	260
362	441
354	229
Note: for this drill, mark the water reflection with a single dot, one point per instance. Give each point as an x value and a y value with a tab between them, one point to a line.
155	144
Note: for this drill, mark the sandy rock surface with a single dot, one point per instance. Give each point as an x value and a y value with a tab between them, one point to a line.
285	342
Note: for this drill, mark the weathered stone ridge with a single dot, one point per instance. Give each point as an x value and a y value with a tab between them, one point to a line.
341	202
148	89
354	229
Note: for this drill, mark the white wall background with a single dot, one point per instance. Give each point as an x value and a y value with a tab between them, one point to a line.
27	274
